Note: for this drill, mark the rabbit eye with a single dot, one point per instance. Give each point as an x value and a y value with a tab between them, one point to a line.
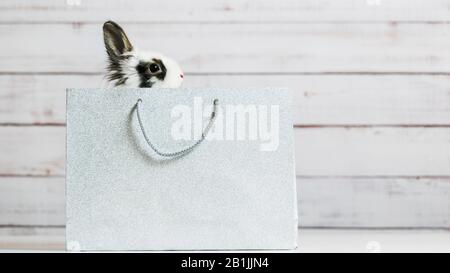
154	68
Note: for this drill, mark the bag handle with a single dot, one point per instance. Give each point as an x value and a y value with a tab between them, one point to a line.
185	150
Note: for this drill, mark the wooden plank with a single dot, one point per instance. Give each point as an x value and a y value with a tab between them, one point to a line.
32	238
38	99
323	202
318	99
32	150
237	48
36	201
374	202
329	151
372	151
220	10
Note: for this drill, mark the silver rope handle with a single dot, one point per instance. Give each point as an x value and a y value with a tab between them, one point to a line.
186	150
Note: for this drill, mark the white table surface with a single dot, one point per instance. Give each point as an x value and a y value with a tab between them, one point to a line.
310	240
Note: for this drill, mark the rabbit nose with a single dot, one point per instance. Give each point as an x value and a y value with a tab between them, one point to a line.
182	76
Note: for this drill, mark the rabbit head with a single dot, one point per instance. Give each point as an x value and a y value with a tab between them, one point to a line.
129	67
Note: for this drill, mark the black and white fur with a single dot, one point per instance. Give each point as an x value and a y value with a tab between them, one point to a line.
129	67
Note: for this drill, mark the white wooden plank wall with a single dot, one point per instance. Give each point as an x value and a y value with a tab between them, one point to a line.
371	82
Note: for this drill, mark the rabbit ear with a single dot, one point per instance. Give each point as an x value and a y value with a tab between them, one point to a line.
116	41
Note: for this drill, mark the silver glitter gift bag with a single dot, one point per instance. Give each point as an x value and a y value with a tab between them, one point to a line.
180	169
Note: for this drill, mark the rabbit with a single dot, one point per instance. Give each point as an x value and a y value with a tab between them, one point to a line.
131	68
